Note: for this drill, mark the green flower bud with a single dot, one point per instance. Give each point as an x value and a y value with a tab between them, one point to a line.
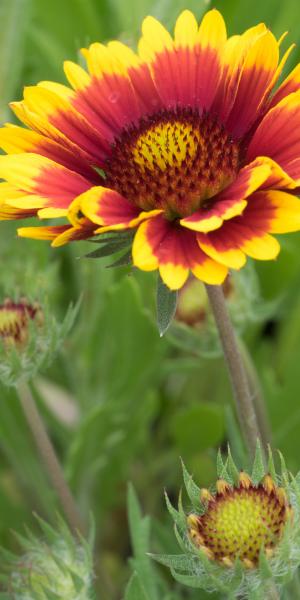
54	568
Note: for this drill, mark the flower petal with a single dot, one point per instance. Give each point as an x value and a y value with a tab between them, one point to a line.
256	75
274	211
231	201
241	234
162	244
112	211
277	136
188	70
42	233
51	112
45	184
15	139
290	85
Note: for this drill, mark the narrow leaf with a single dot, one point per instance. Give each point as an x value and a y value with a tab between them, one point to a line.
166	301
108	249
125	259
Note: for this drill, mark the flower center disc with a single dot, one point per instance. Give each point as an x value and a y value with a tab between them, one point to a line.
242	522
175	160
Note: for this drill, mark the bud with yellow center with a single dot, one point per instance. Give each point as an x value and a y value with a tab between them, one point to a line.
242	537
30	336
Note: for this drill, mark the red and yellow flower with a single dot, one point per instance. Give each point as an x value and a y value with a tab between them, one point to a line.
184	141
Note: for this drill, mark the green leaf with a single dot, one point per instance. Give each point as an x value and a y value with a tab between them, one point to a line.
108	249
124	260
139	532
135	590
166	302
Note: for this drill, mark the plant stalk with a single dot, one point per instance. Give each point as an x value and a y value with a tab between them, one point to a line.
50	460
239	380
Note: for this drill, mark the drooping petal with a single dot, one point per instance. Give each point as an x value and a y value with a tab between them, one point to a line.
162	244
109	209
231	201
247	234
42	233
277	136
274	211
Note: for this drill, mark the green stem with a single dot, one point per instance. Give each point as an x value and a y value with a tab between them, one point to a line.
239	381
257	396
50	460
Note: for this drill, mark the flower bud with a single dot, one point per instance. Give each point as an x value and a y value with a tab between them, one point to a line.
241	536
57	566
30	336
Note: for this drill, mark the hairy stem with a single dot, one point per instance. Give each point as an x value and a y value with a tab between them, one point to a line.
50	460
239	380
257	396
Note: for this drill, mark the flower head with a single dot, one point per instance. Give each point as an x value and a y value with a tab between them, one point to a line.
184	142
240	535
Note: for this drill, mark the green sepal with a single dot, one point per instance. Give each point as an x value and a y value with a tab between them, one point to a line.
232	469
271	465
258	469
193	491
178	517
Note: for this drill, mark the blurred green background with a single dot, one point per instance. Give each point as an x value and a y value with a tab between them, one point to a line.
120	403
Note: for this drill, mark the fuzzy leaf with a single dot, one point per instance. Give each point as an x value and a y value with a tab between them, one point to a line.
166	302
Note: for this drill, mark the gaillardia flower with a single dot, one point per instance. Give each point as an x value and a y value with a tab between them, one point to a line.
185	142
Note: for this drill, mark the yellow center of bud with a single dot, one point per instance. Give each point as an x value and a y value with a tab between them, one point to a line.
240	521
